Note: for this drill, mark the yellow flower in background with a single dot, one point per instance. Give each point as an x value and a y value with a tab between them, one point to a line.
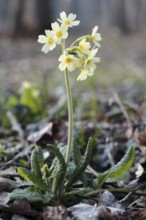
84	46
95	36
48	41
69	20
67	61
60	31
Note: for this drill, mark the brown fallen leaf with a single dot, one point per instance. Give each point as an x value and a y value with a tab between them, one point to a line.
140	138
20	207
86	212
36	136
55	213
9	185
4	198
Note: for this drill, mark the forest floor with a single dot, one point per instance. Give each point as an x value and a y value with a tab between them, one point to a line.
110	106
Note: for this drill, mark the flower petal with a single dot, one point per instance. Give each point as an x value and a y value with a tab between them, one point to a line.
42	39
45	48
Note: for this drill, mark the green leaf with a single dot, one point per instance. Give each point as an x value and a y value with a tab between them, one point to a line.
119	169
31	177
82	165
46	171
31	195
59	169
59	166
76	154
37	161
123	177
14	100
63	149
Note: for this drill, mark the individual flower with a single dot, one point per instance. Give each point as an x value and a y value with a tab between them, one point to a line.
85	73
89	65
84	46
67	62
91	60
48	41
60	31
69	20
95	37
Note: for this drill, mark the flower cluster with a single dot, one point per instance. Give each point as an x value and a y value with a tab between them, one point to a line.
81	54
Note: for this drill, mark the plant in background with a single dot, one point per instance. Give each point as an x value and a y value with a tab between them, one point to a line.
56	182
27	103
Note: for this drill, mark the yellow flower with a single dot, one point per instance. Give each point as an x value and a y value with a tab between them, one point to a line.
85	73
89	65
69	20
95	37
84	46
91	60
67	61
48	41
60	31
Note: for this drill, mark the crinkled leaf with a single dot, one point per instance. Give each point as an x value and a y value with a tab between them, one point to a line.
31	177
46	171
62	148
82	165
76	154
59	165
59	169
31	196
37	161
120	168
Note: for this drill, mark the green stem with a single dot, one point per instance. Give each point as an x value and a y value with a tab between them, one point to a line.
70	121
54	185
70	127
115	190
70	117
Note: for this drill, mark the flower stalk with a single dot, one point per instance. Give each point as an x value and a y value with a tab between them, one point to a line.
70	116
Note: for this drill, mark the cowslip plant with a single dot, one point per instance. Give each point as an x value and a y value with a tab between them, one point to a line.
81	54
57	181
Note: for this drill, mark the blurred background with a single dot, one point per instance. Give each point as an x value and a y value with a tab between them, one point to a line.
122	24
26	18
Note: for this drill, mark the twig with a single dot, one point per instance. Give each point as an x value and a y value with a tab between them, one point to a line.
126	197
22	153
15	124
91	170
116	97
109	147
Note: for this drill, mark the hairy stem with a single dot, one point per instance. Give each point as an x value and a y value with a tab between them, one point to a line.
70	116
70	121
